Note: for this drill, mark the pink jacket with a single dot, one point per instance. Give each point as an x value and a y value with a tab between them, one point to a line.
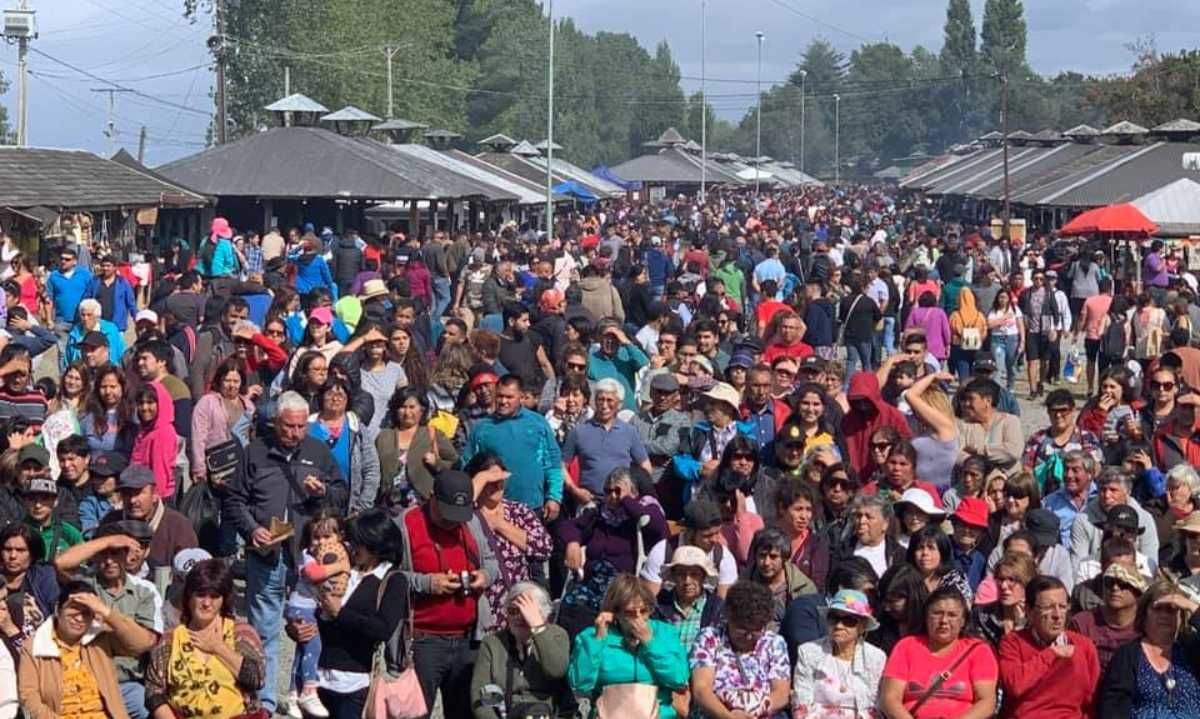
936	326
210	426
156	446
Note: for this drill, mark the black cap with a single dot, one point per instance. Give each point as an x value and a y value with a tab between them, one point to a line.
813	363
94	339
135	476
108	464
1124	517
985	364
455	496
1044	526
701	514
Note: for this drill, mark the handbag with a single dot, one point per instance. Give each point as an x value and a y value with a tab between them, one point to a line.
221	461
394	693
627	701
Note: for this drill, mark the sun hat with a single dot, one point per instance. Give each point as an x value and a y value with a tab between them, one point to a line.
723	392
373	288
704	362
854	603
972	511
1189	524
690	556
920	499
1045	526
1132	577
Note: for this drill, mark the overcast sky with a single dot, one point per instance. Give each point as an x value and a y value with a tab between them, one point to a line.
127	41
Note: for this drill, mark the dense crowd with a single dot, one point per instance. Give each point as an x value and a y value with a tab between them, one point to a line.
732	458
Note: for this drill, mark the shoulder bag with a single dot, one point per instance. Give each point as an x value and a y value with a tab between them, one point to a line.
842	330
627	701
941	678
394	693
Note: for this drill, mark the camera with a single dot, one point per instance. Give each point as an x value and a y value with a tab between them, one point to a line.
465	577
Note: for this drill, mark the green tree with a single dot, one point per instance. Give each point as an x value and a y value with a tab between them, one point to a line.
1003	36
959	55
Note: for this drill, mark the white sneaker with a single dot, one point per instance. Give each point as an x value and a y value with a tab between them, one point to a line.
293	706
311	705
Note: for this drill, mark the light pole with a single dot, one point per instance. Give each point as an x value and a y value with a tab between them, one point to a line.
803	93
550	129
758	121
837	139
703	110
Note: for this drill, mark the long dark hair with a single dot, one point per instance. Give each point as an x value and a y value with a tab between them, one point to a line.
375	531
414	364
903	579
95	407
209	576
932	534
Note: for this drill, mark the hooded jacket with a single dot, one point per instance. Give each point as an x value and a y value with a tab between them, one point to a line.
857	427
347	262
313	272
601	298
157	445
966	316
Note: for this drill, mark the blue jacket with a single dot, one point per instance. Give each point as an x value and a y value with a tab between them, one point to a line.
67	292
224	260
311	272
527	447
819	320
658	267
116	344
124	303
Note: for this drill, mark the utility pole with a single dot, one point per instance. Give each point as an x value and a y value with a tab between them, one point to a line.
758	117
142	146
1004	131
837	139
803	94
111	126
703	108
217	45
550	129
287	92
389	52
19	25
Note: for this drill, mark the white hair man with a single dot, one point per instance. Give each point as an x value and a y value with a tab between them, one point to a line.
603	443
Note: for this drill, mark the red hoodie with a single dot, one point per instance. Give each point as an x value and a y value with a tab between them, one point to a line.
859	426
155	446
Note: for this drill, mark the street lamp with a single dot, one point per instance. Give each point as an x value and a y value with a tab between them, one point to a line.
837	139
803	92
758	128
550	128
703	110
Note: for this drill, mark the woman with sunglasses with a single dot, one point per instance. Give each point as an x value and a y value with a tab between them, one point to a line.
741	668
1162	389
838	677
1156	676
1020	495
838	486
624	647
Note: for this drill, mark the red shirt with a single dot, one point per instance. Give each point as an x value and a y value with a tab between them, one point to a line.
436	550
1037	683
700	257
768	309
796	351
912	663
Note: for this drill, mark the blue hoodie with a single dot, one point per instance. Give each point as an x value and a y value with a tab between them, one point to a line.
124	304
311	272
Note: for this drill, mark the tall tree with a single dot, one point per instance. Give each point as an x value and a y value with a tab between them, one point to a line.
958	47
1004	35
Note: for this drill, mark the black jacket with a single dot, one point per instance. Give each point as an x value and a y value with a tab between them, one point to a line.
1114	696
269	484
858	315
347	263
348	641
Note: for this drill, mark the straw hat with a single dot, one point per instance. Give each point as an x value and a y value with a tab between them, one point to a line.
1190	523
723	392
690	556
373	288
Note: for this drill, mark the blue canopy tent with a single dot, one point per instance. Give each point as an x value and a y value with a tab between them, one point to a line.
604	173
573	189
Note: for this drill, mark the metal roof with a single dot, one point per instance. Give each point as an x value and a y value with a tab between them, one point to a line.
1049	135
308	162
1180	125
1081	131
79	180
693	146
529	185
1054	177
296	103
526	168
598	185
1175	208
498	139
963	164
349	113
1124	127
542	146
993	135
1019	135
667	166
955	183
1030	172
503	185
524	149
1145	168
671	136
439	134
398	124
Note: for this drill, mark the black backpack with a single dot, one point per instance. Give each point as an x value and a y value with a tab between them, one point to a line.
1113	343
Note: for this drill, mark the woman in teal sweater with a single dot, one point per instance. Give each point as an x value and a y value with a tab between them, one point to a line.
626	646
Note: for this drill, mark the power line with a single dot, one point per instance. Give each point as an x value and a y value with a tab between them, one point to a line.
822	23
86	107
139	93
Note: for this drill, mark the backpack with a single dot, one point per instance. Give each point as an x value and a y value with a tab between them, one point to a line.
972	339
1112	343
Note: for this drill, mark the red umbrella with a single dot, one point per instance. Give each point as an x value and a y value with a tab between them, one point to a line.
1123	219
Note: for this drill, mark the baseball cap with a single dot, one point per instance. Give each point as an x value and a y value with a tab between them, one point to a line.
813	363
1124	517
1044	526
108	464
146	316
454	494
135	476
741	359
42	485
94	339
792	433
185	560
324	315
1051	274
985	364
664	382
34	453
701	514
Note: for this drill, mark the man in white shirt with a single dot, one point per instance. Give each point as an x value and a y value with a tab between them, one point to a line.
701	528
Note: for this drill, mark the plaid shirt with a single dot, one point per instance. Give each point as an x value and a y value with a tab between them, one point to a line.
689	626
254	259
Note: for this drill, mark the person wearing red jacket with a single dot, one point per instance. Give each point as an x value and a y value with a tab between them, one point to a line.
1178	441
1046	670
868	412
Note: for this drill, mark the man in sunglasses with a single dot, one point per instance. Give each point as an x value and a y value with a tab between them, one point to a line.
1112	623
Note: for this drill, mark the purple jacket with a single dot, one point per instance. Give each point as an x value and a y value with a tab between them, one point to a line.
616	544
1154	271
936	327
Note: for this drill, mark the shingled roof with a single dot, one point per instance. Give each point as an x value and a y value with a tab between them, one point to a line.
79	180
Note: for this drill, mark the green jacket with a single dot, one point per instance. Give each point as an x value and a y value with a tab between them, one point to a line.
57	537
734	279
541	677
597	663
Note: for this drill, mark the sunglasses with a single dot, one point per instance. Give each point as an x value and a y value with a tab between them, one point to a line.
578	366
1110	584
846	620
881	445
1164	386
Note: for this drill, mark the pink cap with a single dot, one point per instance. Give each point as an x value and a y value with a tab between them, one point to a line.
324	315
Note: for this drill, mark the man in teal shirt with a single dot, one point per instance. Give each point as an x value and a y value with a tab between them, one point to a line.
617	358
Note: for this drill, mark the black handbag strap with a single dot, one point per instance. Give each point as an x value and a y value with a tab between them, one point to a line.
941	679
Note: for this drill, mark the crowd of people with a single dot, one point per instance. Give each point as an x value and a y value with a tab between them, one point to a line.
739	457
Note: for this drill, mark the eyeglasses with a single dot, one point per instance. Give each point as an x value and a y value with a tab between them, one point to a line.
1164	386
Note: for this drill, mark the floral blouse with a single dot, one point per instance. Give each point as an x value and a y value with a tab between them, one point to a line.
514	563
742	681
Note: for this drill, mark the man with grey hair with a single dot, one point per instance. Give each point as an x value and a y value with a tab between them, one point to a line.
869	519
283	479
1087	529
1079	469
603	443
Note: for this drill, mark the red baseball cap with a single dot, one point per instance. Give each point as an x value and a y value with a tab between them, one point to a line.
972	511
